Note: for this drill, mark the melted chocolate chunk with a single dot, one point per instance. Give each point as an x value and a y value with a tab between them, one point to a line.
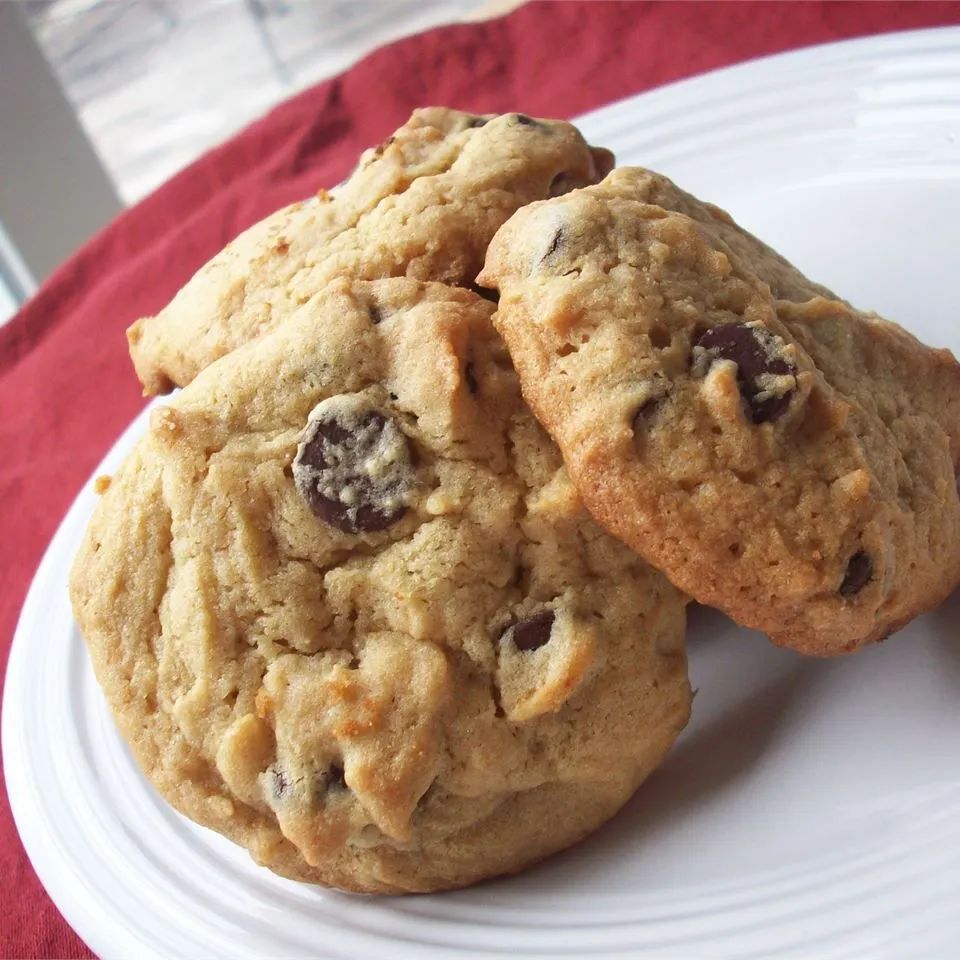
477	122
354	467
525	120
859	572
531	633
753	349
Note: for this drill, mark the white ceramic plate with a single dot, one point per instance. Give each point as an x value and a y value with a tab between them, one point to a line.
811	810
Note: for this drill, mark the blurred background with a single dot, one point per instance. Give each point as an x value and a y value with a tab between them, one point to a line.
103	100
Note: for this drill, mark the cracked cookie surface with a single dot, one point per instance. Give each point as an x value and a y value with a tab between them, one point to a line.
791	461
423	204
349	611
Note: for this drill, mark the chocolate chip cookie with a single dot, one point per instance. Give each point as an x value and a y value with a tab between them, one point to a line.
791	461
423	204
349	611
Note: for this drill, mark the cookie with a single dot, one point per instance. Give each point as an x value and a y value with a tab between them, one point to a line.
349	611
424	204
792	463
786	282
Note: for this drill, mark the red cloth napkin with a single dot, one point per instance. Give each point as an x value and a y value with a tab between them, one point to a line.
66	386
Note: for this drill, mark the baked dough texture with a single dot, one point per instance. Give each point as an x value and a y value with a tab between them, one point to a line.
424	204
777	453
349	611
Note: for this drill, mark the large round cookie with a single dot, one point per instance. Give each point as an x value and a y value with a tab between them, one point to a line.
793	463
349	611
423	204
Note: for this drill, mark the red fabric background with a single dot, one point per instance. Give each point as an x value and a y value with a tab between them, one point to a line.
66	387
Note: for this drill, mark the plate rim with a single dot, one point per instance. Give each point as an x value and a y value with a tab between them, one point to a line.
63	887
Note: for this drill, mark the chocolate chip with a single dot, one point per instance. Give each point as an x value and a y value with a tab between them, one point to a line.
531	633
471	378
334	778
492	295
354	466
477	122
525	120
859	572
753	349
376	317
